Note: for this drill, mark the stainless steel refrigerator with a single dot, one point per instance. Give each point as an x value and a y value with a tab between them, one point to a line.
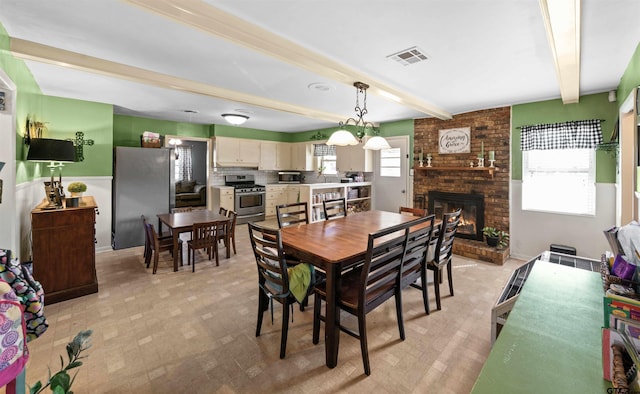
142	185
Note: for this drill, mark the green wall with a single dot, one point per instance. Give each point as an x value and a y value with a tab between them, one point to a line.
128	129
595	106
631	77
65	117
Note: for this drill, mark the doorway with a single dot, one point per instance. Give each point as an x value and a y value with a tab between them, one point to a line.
190	160
392	185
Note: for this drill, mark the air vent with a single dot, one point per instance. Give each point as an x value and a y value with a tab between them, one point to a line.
409	56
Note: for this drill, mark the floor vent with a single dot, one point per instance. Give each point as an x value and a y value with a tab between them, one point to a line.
409	56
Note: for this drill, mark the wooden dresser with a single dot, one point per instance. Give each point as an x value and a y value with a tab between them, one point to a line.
63	246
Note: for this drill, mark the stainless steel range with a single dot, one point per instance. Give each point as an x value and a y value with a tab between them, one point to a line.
249	198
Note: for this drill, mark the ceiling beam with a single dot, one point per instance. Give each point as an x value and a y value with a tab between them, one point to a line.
562	23
205	17
29	50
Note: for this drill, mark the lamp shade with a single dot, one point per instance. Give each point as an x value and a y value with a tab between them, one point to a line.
342	138
46	149
376	143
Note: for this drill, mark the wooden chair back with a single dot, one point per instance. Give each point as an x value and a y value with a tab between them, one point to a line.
272	265
413	266
157	245
334	208
205	236
291	214
413	211
223	211
444	246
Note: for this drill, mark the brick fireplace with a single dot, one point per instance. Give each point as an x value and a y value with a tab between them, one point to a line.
489	129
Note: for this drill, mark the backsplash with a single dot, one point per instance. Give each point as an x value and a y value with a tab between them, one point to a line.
217	175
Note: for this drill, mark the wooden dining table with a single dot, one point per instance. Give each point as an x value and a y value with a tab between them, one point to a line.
333	246
182	222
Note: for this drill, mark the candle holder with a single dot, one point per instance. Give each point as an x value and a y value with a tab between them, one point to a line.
471	164
421	163
491	163
480	161
428	161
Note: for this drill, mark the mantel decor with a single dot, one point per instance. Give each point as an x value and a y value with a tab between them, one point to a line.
456	140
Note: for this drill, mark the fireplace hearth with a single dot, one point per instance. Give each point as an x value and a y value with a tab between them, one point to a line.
472	218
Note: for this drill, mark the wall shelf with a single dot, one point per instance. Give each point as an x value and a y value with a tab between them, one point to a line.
488	170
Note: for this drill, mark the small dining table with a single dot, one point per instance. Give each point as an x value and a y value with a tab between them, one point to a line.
182	222
333	246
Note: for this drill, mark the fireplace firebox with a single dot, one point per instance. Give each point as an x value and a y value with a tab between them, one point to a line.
472	218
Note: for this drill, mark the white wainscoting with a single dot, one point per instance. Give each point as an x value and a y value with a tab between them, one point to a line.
30	194
532	232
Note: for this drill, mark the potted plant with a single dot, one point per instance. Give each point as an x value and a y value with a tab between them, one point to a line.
495	237
76	189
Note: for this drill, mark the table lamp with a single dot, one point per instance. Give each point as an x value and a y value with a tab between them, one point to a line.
54	152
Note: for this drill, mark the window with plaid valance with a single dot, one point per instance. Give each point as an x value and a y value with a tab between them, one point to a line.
324	150
579	134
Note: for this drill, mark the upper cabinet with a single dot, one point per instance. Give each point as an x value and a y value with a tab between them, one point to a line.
354	158
237	152
302	157
274	156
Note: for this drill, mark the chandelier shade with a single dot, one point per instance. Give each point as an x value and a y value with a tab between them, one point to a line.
376	143
342	138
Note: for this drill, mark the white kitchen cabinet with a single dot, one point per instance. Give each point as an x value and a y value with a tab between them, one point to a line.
353	158
275	156
278	195
302	156
283	156
358	195
223	196
237	152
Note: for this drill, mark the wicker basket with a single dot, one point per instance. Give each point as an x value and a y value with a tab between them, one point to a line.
150	143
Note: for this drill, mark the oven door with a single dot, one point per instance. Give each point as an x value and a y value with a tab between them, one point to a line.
249	203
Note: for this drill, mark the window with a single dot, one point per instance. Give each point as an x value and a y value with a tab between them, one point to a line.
390	162
327	164
559	180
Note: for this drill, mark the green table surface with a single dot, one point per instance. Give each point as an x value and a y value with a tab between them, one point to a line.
552	341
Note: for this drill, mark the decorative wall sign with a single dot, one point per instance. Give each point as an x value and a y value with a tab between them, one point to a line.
454	140
79	143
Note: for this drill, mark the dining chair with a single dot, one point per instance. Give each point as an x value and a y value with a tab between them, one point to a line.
365	288
223	211
413	211
273	277
442	252
158	245
334	208
148	249
205	236
182	209
415	259
291	214
231	227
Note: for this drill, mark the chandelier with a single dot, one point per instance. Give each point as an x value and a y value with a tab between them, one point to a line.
343	137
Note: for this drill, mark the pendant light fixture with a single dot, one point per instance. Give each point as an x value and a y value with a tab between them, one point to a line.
343	137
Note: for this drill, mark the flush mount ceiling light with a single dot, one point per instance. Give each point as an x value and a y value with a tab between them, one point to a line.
343	137
235	119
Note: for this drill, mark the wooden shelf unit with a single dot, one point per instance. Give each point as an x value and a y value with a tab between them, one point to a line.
488	170
64	250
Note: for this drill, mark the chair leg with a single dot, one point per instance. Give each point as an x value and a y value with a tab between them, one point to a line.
425	293
189	250
262	305
155	261
398	298
215	251
285	329
437	276
233	242
193	265
147	257
450	277
317	304
364	348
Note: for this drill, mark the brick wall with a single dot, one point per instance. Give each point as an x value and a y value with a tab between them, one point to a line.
489	126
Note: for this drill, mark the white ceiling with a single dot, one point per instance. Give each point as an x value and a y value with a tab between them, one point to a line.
481	54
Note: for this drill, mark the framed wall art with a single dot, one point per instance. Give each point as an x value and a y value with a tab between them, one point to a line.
456	140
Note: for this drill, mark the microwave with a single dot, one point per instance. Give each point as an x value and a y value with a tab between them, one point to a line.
289	177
